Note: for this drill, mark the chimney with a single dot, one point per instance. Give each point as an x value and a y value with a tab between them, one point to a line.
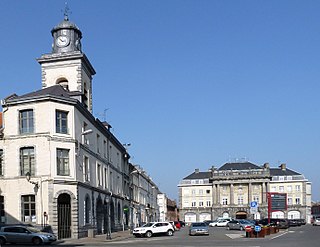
283	166
196	171
266	165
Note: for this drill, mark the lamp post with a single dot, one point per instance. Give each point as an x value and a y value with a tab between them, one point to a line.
107	202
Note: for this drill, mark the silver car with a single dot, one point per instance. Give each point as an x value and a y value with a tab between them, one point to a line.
25	235
198	228
239	224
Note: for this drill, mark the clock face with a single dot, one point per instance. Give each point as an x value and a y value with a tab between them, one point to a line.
62	41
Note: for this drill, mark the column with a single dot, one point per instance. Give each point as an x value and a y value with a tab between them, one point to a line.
249	192
231	194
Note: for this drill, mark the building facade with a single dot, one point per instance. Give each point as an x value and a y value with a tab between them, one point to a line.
229	190
59	165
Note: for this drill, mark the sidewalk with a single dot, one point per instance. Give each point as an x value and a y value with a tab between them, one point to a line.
115	236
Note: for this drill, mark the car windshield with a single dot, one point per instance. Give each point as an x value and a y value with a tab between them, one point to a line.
147	225
33	229
198	224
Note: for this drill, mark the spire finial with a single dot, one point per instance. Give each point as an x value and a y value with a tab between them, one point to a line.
66	12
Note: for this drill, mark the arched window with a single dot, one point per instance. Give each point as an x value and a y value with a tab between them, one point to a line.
87	210
63	82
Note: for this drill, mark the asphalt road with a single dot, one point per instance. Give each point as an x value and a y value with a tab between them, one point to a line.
304	236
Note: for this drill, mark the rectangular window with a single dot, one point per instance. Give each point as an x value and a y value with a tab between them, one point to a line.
200	204
63	168
208	191
98	143
193	204
61	122
28	208
105	149
26	121
200	192
298	200
289	201
240	200
273	188
298	188
99	174
105	178
224	201
289	188
2	212
256	198
86	169
193	192
208	203
281	188
27	161
1	162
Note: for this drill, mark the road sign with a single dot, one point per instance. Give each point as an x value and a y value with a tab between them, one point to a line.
257	228
253	204
253	210
248	228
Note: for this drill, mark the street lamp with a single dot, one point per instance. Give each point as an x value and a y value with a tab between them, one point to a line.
86	132
28	177
107	202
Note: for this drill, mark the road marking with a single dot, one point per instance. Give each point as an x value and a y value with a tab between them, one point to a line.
278	236
235	235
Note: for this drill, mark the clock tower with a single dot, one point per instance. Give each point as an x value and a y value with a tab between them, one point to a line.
67	65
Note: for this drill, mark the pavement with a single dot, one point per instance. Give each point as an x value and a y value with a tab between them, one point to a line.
115	236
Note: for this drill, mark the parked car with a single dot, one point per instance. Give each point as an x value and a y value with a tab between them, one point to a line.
177	225
239	224
294	222
207	222
280	223
25	235
198	228
222	222
153	228
182	223
316	221
213	223
302	221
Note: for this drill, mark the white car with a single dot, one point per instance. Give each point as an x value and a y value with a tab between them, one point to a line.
316	222
222	222
153	228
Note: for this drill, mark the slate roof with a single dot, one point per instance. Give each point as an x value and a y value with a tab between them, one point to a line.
239	166
198	175
56	90
280	172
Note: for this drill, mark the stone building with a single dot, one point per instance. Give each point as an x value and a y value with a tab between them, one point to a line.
59	165
228	191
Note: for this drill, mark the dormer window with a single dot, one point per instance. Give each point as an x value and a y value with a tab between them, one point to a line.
64	83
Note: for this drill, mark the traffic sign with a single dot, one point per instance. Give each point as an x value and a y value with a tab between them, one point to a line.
253	204
257	228
253	210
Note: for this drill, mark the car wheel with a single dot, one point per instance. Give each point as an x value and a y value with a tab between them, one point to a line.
169	232
241	228
148	234
2	241
228	227
36	241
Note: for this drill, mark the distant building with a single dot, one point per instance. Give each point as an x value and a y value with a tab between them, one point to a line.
229	190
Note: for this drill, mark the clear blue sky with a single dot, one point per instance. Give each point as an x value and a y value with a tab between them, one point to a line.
189	83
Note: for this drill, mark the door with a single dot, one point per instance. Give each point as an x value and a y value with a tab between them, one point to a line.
64	216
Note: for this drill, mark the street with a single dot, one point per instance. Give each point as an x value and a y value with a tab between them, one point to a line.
295	236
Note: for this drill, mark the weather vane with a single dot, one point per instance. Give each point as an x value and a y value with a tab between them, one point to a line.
66	11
